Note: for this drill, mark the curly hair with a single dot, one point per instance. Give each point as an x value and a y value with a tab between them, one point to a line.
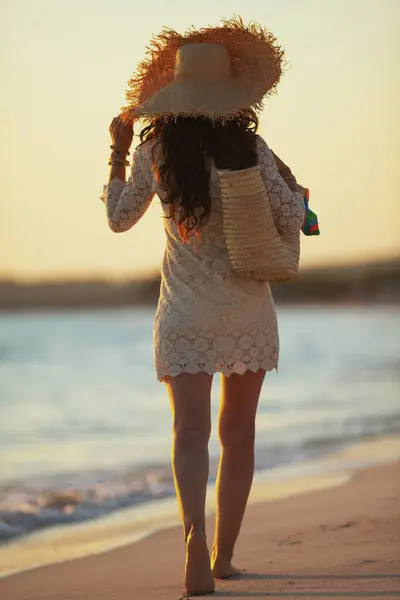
187	145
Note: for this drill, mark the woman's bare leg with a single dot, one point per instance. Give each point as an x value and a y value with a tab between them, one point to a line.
240	395
190	402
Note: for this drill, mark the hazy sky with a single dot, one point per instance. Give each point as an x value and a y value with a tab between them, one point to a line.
64	70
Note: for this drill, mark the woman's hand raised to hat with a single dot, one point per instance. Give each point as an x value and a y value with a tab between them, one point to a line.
121	133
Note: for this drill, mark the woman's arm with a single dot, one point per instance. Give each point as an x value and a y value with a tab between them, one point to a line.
286	173
283	191
126	202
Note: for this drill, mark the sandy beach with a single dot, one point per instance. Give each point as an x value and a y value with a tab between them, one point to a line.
340	542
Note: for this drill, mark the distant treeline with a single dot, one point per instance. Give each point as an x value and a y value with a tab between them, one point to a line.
357	284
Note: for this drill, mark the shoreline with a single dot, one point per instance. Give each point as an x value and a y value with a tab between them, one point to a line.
137	497
134	524
340	541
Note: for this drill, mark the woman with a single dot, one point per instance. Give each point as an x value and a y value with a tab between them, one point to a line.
200	93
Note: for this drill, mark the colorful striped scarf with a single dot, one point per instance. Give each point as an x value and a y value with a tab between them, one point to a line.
310	225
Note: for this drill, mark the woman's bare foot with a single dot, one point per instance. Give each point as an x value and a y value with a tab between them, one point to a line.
223	568
198	577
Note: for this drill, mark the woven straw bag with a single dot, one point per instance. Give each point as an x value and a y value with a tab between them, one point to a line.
256	249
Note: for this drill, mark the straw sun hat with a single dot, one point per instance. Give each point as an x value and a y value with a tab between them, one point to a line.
215	72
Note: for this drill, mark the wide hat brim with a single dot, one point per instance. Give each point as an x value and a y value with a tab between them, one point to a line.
211	100
257	63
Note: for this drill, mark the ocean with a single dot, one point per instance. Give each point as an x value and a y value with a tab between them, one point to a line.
85	428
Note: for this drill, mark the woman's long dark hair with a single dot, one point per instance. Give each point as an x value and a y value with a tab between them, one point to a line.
187	146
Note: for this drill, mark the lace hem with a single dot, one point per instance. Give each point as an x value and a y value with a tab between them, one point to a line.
238	367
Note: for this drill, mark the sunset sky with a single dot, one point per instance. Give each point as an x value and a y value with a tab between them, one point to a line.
65	65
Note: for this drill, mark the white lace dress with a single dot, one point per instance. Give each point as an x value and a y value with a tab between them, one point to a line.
207	319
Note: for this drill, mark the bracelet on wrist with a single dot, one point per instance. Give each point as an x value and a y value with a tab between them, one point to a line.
120	163
119	152
119	157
